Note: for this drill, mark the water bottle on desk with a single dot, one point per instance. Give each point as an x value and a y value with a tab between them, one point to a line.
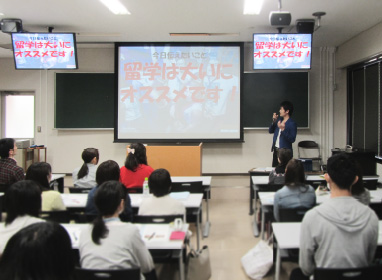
146	190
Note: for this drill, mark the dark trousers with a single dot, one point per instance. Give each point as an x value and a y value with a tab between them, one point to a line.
275	160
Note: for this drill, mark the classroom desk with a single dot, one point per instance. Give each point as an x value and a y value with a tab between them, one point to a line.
74	231
267	200
263	180
312	177
193	202
288	237
207	189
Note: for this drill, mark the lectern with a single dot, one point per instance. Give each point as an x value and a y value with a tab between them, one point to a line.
178	160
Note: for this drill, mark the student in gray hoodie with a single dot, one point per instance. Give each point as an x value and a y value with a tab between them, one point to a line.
341	232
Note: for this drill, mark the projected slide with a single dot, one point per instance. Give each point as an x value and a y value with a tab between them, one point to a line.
173	92
44	50
282	51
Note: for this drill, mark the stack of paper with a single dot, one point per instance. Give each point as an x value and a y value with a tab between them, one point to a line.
180	195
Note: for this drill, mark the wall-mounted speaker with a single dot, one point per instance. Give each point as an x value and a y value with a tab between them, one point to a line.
11	25
280	19
305	26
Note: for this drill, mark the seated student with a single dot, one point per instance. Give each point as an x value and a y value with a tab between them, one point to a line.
135	171
108	171
341	232
358	190
277	175
23	204
295	193
41	173
109	243
9	171
161	203
84	176
38	251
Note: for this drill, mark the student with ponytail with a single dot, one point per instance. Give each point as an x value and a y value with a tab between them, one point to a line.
136	169
84	176
109	243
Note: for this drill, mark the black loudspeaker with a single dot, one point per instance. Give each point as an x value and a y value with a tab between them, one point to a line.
280	19
305	26
11	25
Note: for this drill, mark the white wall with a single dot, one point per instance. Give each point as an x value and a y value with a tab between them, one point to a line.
65	147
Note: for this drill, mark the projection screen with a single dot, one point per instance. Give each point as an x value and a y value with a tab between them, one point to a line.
178	92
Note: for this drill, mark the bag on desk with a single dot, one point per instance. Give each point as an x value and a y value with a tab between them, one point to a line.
199	267
258	261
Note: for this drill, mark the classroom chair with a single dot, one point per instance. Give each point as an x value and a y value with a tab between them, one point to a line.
192	187
62	217
118	274
135	190
156	219
369	273
292	214
309	150
79	190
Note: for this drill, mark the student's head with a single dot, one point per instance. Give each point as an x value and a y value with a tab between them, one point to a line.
342	171
284	156
22	198
288	107
136	155
41	173
41	251
7	147
160	182
107	171
89	155
109	199
294	173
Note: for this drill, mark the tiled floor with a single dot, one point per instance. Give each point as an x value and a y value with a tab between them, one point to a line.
230	233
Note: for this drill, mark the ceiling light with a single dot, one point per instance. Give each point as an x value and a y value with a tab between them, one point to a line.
204	34
115	7
252	7
371	60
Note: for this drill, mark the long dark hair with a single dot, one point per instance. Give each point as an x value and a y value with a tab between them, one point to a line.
39	172
107	199
41	251
22	198
107	171
295	174
87	156
137	157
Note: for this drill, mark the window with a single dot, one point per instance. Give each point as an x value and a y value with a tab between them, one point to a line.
18	115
